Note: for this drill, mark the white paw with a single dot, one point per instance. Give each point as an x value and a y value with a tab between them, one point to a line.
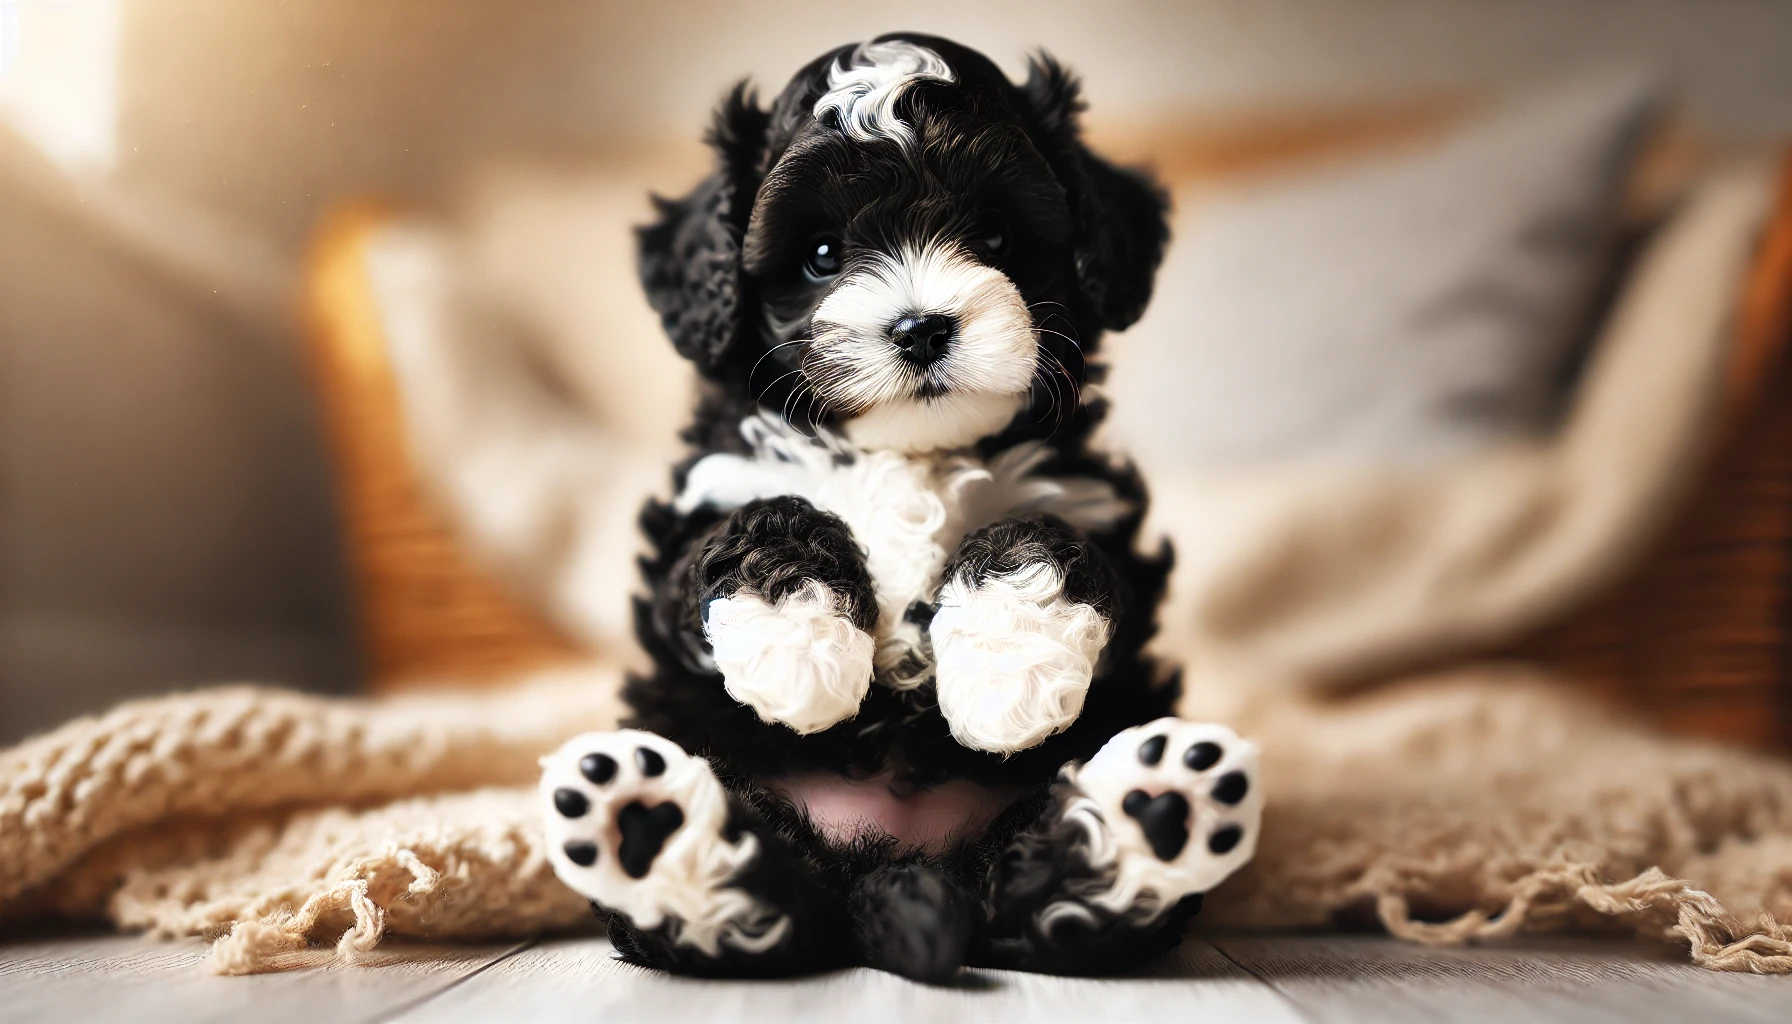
1013	657
799	662
1173	807
637	825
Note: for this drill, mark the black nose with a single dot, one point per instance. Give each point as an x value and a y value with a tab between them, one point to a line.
924	339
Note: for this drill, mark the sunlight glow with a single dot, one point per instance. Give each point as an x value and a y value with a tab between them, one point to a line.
59	78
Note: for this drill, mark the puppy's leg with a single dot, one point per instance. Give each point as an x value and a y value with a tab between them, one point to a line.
1023	616
690	877
786	605
1110	874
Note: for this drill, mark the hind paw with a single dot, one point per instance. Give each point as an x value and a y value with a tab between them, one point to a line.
638	826
1172	808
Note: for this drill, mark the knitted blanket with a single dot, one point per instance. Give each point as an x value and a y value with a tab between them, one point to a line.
1447	810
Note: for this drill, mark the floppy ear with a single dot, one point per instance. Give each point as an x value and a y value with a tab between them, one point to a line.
1120	214
689	258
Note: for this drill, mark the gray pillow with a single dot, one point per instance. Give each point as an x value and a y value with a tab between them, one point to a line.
1399	310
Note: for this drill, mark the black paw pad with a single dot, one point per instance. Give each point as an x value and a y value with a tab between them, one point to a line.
650	762
571	803
599	768
1203	755
1164	819
644	830
580	852
1152	750
1231	787
1224	838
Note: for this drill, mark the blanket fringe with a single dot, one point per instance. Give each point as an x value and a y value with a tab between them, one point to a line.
256	945
1717	939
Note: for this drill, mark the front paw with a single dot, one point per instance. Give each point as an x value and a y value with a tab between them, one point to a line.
800	661
1013	657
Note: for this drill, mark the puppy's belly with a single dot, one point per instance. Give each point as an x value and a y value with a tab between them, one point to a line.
927	819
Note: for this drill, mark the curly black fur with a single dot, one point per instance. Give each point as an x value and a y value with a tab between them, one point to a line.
715	265
773	547
1012	545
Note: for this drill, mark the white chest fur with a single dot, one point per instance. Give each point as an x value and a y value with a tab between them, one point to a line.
908	512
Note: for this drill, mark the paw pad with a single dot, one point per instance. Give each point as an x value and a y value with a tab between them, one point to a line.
1231	787
598	768
1224	838
1163	819
1152	751
650	762
1202	756
644	830
570	803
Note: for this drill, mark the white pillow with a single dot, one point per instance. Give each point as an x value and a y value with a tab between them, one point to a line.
1397	310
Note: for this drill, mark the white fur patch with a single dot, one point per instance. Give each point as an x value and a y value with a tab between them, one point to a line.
798	662
933	423
863	93
687	883
1144	885
984	376
908	512
1013	658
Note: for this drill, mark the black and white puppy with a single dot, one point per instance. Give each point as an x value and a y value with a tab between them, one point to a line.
895	590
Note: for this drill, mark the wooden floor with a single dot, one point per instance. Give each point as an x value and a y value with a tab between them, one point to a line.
1259	980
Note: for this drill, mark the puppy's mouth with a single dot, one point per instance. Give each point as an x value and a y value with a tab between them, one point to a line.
930	389
894	407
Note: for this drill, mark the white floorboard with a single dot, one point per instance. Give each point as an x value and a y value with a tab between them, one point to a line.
131	978
1254	979
1350	979
576	980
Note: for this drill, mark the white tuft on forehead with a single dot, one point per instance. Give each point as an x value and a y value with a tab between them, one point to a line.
863	94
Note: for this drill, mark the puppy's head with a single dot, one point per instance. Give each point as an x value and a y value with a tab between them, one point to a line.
906	246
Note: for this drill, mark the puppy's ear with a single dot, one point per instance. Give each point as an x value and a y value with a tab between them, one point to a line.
1120	214
689	258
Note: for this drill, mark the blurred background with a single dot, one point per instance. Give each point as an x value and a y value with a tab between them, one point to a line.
169	512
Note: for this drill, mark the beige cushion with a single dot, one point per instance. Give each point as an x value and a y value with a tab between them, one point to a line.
1406	308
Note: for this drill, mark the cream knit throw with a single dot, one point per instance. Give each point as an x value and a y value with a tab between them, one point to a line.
1486	804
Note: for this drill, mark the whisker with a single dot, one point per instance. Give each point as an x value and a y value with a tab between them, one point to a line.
808	393
1075	393
1073	342
768	355
760	397
1044	379
790	400
1065	390
814	408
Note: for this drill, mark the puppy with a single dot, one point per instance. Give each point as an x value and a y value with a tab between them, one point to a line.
895	590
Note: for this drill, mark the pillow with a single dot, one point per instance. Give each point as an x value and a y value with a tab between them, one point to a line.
1400	310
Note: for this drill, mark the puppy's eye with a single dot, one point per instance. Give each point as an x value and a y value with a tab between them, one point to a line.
825	254
990	238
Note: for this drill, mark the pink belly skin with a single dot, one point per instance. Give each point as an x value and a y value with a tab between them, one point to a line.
927	819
